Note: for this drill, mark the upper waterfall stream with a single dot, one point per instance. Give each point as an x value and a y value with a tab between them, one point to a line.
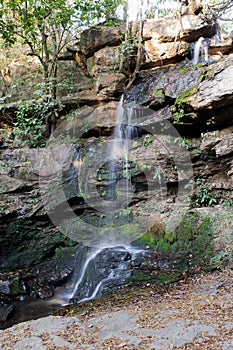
109	262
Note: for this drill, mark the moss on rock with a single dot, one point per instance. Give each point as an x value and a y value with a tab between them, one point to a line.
184	98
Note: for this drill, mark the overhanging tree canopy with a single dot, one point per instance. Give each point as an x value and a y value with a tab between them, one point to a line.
46	26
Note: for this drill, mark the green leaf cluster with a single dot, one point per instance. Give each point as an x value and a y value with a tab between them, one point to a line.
30	118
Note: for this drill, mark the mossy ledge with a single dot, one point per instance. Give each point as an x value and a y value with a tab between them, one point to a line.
184	98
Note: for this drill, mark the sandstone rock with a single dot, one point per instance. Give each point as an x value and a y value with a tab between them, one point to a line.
186	28
104	60
102	116
110	84
9	184
158	54
214	93
224	147
95	38
84	97
21	163
230	172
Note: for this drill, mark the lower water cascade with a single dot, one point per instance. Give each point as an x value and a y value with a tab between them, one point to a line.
97	270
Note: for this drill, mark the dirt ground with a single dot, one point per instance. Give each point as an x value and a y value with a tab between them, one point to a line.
195	313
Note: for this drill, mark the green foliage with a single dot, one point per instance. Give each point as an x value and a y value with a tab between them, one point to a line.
127	48
159	95
91	12
160	8
183	142
30	20
123	213
184	69
193	241
205	199
178	115
228	202
30	118
206	74
44	26
141	277
29	123
203	196
148	139
206	135
148	239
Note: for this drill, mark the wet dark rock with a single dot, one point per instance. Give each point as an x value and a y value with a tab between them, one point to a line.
215	91
5	287
204	94
109	265
40	282
6	312
163	86
11	286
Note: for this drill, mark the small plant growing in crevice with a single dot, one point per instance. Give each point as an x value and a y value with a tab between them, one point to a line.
148	139
178	115
183	142
203	196
29	122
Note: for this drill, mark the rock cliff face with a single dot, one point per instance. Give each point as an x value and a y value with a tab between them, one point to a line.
194	100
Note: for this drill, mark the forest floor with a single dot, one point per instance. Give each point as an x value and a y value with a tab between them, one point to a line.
196	313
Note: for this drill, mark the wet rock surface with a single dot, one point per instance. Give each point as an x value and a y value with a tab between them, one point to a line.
5	313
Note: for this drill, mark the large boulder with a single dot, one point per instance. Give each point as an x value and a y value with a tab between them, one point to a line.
185	28
215	90
202	96
159	54
96	38
104	60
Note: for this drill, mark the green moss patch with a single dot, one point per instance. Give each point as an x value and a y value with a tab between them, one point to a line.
185	96
190	244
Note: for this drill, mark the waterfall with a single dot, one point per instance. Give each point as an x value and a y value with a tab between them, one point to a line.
100	267
201	50
109	262
92	255
118	153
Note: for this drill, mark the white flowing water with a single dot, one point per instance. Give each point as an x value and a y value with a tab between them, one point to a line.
119	151
90	256
201	50
110	261
114	274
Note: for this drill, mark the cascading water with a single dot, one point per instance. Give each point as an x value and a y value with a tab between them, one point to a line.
103	267
97	269
119	155
201	50
109	262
